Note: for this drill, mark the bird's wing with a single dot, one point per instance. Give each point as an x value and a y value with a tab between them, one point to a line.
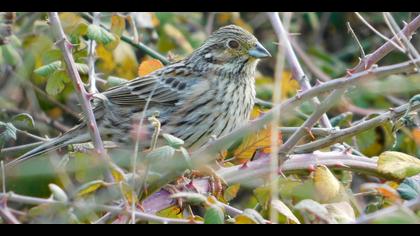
164	87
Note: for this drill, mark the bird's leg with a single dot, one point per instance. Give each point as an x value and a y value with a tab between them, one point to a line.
216	181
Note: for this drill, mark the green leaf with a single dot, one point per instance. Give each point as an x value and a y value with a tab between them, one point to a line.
115	81
410	188
341	120
398	164
214	215
56	82
99	34
342	212
173	141
10	55
58	193
7	132
48	69
187	158
191	198
314	211
160	153
82	68
24	118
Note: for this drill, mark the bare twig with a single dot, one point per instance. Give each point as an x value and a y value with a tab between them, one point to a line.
379	33
362	51
91	57
65	47
296	69
341	135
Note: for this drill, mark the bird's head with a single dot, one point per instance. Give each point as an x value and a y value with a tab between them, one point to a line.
231	46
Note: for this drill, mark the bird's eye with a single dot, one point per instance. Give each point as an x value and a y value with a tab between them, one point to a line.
233	44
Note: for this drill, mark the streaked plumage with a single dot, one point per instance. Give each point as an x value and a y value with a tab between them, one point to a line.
210	92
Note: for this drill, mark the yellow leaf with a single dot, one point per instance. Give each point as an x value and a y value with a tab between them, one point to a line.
289	86
90	187
244	219
106	62
178	37
398	164
148	66
326	185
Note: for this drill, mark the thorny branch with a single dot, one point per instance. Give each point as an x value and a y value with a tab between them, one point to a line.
65	46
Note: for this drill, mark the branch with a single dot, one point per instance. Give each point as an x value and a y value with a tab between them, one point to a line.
257	172
296	69
341	135
12	197
83	96
413	204
207	153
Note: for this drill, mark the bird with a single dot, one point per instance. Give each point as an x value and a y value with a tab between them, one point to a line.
209	93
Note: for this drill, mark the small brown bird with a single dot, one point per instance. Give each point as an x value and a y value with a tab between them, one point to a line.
209	93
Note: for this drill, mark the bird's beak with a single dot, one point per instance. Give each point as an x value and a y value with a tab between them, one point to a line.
259	51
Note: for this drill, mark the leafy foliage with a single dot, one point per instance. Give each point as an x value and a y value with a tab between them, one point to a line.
37	100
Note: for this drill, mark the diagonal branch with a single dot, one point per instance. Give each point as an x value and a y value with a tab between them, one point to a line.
83	96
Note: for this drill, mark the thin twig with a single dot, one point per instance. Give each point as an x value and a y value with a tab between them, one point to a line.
379	33
91	57
362	51
341	135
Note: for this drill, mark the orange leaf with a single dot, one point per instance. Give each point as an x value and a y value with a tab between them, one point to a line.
148	66
416	135
260	141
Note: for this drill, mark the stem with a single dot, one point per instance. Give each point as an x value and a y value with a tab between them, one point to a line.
65	46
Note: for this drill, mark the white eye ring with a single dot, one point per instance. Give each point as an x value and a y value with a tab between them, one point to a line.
233	44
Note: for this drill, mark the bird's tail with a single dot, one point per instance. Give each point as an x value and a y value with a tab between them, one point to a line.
75	135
